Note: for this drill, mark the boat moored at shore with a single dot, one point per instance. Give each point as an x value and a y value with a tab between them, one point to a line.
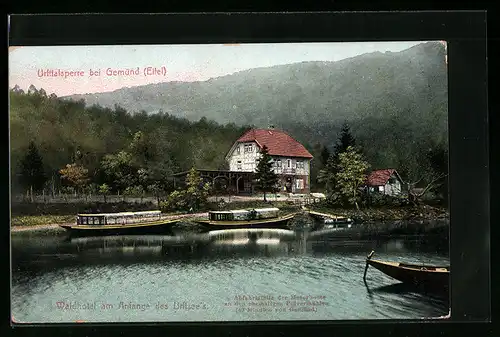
120	223
253	218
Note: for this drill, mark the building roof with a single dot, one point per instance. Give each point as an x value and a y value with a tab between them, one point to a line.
278	142
380	177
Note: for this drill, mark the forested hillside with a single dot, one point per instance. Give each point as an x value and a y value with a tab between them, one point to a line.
395	104
311	98
115	147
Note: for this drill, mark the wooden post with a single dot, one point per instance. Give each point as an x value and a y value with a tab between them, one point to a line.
366	267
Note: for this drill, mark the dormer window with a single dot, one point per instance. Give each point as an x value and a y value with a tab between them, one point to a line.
248	148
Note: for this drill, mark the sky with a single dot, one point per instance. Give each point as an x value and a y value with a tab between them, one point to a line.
29	65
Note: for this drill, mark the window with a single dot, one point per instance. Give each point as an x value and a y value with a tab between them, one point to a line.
392	180
289	163
248	148
238	149
278	163
300	164
299	184
381	188
238	165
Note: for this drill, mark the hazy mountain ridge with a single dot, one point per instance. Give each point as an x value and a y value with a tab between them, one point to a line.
374	84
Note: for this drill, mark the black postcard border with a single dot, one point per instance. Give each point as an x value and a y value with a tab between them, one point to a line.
465	33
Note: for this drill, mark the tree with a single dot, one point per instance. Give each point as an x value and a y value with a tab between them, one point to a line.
32	90
104	190
266	178
325	154
328	174
119	170
351	175
135	191
191	198
197	191
76	175
156	190
438	158
435	178
32	174
17	89
345	140
141	149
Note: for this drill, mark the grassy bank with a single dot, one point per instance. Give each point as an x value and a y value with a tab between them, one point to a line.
30	209
31	215
39	220
366	215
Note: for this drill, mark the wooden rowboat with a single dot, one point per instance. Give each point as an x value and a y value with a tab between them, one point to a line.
277	222
426	276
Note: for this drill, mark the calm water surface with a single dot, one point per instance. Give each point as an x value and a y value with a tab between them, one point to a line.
221	276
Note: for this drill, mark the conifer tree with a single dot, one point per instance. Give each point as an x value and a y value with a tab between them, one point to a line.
266	178
32	175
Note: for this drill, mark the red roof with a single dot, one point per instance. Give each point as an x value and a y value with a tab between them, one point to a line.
278	142
379	177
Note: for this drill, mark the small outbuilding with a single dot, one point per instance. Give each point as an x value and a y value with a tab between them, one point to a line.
387	182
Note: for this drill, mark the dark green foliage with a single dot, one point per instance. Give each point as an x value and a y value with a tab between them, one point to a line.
328	175
345	140
324	155
72	208
192	198
118	149
395	104
266	179
32	175
438	158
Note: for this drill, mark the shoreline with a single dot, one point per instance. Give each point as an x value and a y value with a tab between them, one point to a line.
365	217
55	227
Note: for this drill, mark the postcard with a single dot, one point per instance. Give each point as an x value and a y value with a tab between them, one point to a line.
229	182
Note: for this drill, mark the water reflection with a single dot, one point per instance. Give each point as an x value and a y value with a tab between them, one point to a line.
213	265
410	297
44	253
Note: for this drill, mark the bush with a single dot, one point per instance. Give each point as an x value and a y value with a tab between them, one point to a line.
378	199
176	201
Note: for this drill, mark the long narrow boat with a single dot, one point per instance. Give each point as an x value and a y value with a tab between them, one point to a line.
426	276
255	218
120	223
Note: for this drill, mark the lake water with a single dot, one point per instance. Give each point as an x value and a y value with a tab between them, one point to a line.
222	276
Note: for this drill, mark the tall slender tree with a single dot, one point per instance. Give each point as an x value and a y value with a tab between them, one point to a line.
266	178
328	175
32	174
345	140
